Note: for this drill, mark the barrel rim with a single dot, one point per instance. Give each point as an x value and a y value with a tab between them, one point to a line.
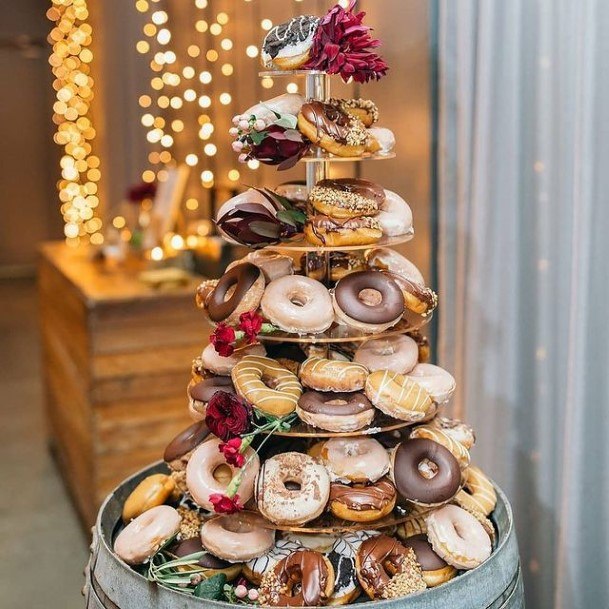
509	531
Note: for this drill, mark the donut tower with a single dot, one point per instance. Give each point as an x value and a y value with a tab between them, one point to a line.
319	468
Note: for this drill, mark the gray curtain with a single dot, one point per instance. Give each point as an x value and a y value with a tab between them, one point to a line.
524	271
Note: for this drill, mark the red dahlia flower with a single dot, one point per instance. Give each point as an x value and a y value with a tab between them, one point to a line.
227	416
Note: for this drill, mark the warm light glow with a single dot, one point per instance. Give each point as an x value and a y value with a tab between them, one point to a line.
192	204
207	176
210	149
145	101
292	87
266	24
233	175
227	69
204	101
212	55
252	51
164	36
156	253
188	72
177	242
215	29
225	98
201	25
177	125
159	17
201	3
119	222
142	46
222	18
205	77
190	95
193	50
192	159
226	44
253	163
267	82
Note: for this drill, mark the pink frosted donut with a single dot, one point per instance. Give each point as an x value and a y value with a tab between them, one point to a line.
223	366
237	537
457	537
395	215
142	537
439	383
355	459
200	474
299	305
395	353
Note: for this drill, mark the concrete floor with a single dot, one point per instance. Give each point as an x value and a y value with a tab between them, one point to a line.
42	545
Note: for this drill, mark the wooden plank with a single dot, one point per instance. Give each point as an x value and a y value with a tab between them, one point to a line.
159	384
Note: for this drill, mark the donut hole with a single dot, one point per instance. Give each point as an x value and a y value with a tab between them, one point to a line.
428	469
292	485
370	297
229	293
298	299
222	474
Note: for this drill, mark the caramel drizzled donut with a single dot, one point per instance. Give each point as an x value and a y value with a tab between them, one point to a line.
303	579
478	493
414	524
435	570
338	412
437	435
362	502
332	375
457	430
387	569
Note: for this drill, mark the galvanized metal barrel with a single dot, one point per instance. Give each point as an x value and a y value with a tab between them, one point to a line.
111	584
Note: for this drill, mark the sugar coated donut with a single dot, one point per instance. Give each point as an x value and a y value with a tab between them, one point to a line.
398	396
362	502
332	129
200	392
143	537
202	466
439	383
338	412
299	305
395	215
218	364
478	493
435	570
326	231
457	430
237	537
303	579
210	564
430	432
355	459
239	290
344	198
368	301
324	374
425	472
394	353
386	569
458	537
255	568
287	45
179	450
253	378
284	505
150	492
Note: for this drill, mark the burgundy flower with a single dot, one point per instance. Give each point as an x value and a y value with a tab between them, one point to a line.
231	453
251	324
225	505
343	45
223	339
279	146
141	191
227	416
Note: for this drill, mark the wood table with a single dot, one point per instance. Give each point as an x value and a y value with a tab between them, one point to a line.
117	357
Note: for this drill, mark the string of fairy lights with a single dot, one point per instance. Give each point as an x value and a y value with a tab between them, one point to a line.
70	61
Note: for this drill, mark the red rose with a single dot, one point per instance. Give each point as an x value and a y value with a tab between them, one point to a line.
251	324
227	416
225	505
231	453
222	339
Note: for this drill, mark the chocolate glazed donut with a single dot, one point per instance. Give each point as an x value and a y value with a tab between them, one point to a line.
185	442
437	483
310	570
358	186
242	277
204	390
347	295
328	120
337	404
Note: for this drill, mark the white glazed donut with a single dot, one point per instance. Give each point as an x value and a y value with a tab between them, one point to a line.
143	537
458	537
223	366
396	353
439	383
200	473
237	537
395	215
385	138
355	459
298	305
283	506
385	259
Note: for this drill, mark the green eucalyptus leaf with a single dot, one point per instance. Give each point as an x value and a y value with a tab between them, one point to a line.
257	137
212	588
286	216
265	229
287	121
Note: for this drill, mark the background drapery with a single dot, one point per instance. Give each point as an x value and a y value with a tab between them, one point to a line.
523	177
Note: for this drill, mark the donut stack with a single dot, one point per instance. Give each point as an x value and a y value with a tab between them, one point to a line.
319	467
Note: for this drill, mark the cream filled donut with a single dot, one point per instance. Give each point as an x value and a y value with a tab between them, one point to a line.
383	137
202	466
218	364
255	568
355	459
457	430
237	537
430	432
324	374
337	412
458	537
143	537
292	488
273	264
394	353
299	305
439	383
395	215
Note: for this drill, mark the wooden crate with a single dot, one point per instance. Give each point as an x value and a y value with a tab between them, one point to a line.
117	358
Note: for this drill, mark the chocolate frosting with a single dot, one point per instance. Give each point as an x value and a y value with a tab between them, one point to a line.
289	33
186	441
358	186
191	546
347	293
409	481
243	276
375	555
363	497
328	120
307	568
337	404
426	557
205	389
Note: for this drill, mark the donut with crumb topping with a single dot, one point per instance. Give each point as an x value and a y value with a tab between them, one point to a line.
323	230
347	197
363	109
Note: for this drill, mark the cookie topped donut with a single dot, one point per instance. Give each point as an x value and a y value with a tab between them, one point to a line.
287	45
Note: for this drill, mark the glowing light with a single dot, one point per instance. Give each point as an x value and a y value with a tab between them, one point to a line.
166	141
201	26
177	242
267	82
188	72
141	6
147	120
191	159
157	253
142	46
233	175
192	204
204	101
225	98
210	149
253	164
251	51
227	69
222	18
149	29
177	125
176	103
159	17
266	24
226	44
212	55
193	50
205	77
119	222
292	87
207	176
164	36
165	156
190	95
145	101
215	29
201	3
